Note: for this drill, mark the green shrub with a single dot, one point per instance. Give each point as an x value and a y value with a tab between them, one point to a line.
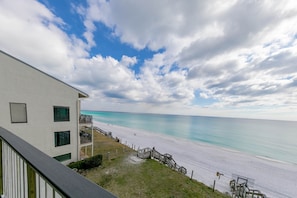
88	163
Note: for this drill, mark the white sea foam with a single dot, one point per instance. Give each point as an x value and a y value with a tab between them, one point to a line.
273	160
270	177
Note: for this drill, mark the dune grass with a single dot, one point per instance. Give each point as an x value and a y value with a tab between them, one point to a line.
126	178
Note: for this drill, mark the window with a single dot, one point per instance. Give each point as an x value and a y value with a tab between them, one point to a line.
62	138
18	112
61	114
64	157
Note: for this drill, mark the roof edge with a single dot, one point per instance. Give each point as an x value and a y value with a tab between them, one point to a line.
81	94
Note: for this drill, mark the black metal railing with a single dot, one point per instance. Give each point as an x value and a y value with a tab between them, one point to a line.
27	172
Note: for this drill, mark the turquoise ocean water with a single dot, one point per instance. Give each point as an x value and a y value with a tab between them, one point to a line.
272	139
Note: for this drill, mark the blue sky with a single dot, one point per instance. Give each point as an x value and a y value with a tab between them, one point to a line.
234	58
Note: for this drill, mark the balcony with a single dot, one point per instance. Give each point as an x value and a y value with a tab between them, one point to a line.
85	119
85	135
27	172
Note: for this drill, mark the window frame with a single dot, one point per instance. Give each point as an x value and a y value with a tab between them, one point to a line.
63	157
13	117
58	119
58	139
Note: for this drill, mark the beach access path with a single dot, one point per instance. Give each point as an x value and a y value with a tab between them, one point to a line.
274	178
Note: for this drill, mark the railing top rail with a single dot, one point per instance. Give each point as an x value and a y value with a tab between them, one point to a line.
65	180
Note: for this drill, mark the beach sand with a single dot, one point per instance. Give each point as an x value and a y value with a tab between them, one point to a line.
273	178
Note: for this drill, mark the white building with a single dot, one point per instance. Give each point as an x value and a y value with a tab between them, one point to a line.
40	109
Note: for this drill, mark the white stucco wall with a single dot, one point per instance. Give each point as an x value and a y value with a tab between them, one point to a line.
21	83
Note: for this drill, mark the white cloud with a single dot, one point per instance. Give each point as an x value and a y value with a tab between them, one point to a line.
34	34
241	54
128	61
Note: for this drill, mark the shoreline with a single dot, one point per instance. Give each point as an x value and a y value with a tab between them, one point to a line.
272	177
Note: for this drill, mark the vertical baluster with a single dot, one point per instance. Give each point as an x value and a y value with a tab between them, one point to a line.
4	167
14	173
26	189
38	186
42	187
9	180
18	176
22	183
1	173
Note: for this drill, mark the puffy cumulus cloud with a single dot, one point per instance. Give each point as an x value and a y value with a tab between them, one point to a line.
110	77
239	54
31	32
114	80
167	88
154	24
249	86
219	48
46	45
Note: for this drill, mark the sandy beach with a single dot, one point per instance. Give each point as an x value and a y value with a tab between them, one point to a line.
274	178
